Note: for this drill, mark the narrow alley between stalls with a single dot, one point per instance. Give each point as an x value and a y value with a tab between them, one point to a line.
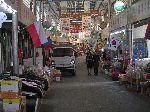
83	93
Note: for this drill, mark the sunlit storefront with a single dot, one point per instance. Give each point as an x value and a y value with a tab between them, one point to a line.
7	11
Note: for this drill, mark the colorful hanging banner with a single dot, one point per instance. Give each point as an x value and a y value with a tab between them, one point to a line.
63	5
75	29
86	23
86	6
79	6
114	42
94	13
65	25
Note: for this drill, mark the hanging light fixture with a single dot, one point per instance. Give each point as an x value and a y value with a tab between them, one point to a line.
119	6
3	18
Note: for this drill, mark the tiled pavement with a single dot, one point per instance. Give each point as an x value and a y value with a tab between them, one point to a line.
84	93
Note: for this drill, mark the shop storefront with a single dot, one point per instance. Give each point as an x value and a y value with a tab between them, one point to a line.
139	18
7	10
118	38
25	46
118	42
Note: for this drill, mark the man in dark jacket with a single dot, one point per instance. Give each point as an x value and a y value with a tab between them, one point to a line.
96	59
89	60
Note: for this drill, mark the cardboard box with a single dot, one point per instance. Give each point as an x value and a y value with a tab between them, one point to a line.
11	86
9	95
11	105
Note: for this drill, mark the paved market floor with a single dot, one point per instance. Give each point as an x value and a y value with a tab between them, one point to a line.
84	93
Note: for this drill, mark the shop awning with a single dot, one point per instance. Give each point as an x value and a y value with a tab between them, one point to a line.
7	7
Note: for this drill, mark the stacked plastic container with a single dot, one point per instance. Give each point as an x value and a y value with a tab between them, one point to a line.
10	95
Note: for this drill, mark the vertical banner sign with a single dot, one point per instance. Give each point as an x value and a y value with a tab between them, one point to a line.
86	23
115	41
86	6
65	25
63	5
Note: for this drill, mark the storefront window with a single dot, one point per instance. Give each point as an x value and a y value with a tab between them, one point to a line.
140	50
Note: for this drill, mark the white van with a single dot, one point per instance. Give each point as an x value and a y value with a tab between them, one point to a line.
63	59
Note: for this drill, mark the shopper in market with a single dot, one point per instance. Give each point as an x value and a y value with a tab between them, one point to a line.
96	59
89	60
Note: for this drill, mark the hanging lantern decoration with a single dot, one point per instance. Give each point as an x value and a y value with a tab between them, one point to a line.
119	6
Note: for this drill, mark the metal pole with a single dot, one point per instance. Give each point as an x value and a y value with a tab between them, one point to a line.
109	15
40	9
109	9
34	49
109	20
15	43
129	31
43	51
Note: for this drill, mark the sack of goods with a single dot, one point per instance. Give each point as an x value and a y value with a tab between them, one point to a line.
56	75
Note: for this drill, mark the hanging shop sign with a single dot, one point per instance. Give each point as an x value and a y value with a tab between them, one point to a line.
115	41
118	20
86	6
77	15
94	13
86	23
63	5
119	6
75	30
65	25
25	15
139	11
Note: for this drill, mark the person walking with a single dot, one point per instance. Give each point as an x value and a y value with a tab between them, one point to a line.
89	60
96	59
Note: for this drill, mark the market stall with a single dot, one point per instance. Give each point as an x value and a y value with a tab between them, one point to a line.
23	93
137	77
